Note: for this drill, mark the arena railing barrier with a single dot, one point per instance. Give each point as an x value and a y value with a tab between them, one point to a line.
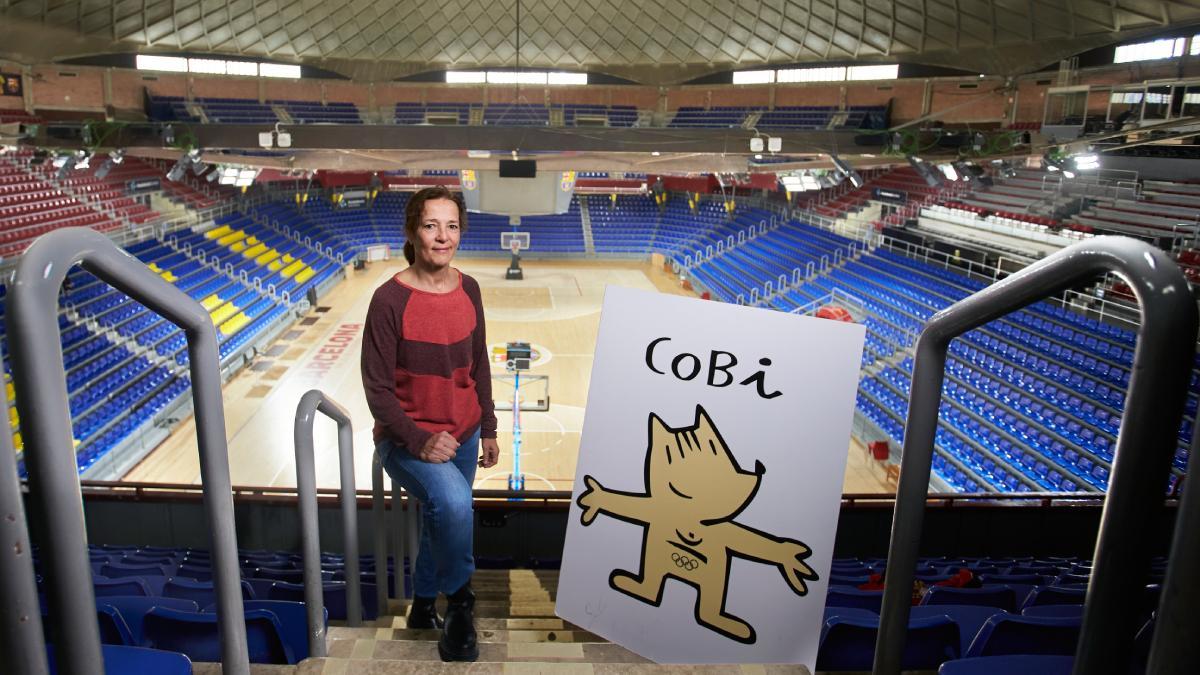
55	497
1145	447
405	534
311	403
22	647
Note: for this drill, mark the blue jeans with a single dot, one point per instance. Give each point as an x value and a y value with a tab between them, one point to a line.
446	559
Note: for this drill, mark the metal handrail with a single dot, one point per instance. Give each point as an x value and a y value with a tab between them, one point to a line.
311	403
380	538
1145	447
22	647
1174	649
37	365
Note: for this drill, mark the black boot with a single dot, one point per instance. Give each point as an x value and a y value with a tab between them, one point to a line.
458	637
423	615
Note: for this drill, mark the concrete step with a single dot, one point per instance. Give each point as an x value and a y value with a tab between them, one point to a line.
348	667
363	651
334	666
484	635
485	623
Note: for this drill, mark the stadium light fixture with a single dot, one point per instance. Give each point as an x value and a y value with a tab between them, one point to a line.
948	171
923	169
1087	162
178	171
848	171
756	144
246	177
774	144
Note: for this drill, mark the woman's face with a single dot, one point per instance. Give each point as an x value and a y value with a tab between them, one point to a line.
437	234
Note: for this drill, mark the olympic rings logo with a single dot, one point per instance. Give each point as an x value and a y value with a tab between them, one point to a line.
685	562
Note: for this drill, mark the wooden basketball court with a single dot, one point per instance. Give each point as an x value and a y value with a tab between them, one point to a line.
556	308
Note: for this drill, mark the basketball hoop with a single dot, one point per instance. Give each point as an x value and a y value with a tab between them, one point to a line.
514	245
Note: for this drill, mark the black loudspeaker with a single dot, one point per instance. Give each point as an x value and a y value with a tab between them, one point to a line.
518	168
311	296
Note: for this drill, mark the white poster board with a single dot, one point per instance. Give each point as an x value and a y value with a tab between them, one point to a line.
709	479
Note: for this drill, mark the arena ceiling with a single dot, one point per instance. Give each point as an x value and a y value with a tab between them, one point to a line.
661	42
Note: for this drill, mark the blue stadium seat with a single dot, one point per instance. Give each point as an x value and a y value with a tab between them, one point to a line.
133	610
1075	611
849	643
848	596
1009	665
195	634
334	595
200	592
293	617
124	660
1056	595
970	618
103	586
1001	597
1026	635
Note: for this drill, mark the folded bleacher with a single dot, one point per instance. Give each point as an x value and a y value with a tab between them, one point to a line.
217	110
31	204
556	233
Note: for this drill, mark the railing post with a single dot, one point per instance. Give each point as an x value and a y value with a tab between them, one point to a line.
1145	447
379	522
399	541
312	402
22	645
413	532
37	365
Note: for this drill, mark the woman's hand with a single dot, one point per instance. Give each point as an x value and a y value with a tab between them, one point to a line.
490	454
439	448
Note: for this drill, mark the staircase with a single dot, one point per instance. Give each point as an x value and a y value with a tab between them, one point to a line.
515	622
589	245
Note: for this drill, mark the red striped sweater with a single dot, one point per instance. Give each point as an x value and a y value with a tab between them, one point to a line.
425	364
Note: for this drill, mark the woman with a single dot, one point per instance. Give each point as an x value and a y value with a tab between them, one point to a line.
428	383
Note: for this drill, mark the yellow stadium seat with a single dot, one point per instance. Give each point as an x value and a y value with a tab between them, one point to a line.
290	270
234	324
18	442
155	268
236	235
168	276
255	250
12	393
276	265
223	312
267	257
305	274
217	232
212	302
237	247
288	258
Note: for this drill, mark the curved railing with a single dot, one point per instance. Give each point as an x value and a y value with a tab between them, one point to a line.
55	499
1145	447
311	403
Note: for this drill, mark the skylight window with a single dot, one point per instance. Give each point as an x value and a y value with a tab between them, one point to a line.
1151	51
178	64
754	77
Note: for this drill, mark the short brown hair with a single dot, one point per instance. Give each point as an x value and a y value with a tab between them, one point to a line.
416	209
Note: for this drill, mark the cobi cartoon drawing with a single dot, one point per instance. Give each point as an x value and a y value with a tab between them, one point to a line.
694	489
